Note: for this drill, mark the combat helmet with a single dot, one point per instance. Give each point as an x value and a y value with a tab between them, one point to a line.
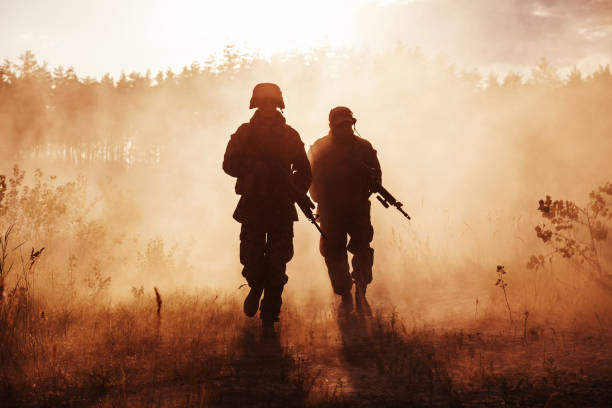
267	90
341	114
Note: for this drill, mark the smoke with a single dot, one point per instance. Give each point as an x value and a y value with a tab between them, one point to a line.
469	163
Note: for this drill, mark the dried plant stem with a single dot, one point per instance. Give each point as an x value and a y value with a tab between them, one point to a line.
158	299
594	247
500	282
507	304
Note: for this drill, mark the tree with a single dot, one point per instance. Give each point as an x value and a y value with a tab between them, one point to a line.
602	76
545	74
575	78
513	80
492	83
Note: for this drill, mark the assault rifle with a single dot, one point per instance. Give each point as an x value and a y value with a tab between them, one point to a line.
301	199
383	195
305	204
386	199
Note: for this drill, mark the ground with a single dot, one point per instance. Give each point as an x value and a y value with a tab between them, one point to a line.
201	351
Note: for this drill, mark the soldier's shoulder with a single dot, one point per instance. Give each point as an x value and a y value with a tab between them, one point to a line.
291	132
319	144
364	144
293	136
323	140
245	127
242	131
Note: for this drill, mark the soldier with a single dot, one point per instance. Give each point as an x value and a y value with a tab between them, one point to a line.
344	168
264	155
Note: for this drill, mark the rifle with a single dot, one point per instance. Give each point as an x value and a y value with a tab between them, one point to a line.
305	204
383	195
301	199
386	199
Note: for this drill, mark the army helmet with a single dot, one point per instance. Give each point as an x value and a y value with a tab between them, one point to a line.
266	90
341	114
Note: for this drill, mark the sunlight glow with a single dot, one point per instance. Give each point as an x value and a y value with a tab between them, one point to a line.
272	26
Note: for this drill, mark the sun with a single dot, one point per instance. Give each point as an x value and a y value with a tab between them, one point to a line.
272	26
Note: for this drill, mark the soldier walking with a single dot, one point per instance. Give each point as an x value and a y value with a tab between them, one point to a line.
264	155
344	170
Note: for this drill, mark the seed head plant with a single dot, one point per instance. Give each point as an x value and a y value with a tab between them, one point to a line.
501	271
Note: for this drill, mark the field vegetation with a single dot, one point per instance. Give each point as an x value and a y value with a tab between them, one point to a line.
118	255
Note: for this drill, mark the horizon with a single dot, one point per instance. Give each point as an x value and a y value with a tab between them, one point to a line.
469	34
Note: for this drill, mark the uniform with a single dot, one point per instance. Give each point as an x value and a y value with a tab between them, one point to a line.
343	169
264	156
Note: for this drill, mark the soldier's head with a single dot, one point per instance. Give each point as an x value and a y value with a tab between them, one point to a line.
267	97
341	121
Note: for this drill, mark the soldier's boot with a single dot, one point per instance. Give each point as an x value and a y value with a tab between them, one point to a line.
251	303
270	306
361	303
346	307
268	330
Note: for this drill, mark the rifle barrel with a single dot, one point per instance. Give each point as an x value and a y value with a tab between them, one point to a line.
318	227
398	205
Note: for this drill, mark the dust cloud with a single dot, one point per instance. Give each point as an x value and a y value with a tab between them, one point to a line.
140	198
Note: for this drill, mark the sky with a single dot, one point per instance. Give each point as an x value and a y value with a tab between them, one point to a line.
135	35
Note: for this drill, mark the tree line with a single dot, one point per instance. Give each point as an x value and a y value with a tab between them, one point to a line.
132	118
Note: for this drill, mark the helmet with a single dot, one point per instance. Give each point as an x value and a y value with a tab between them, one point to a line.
267	90
341	114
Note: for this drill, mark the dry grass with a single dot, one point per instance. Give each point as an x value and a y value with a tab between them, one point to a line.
68	345
206	353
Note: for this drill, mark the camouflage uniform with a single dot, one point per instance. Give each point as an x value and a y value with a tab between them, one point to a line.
262	156
341	187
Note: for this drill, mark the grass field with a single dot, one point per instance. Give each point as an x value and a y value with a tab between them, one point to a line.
497	293
201	351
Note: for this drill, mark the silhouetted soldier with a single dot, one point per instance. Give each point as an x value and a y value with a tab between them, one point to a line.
265	154
343	169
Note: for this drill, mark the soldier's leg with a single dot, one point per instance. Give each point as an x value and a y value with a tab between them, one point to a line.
361	233
279	251
333	249
252	256
362	262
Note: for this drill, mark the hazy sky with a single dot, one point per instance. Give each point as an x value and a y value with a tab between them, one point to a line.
132	35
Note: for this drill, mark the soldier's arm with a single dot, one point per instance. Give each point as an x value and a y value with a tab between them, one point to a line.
234	160
302	175
371	160
376	167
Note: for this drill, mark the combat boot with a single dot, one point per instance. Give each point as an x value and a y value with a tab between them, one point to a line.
346	307
251	303
361	303
268	330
